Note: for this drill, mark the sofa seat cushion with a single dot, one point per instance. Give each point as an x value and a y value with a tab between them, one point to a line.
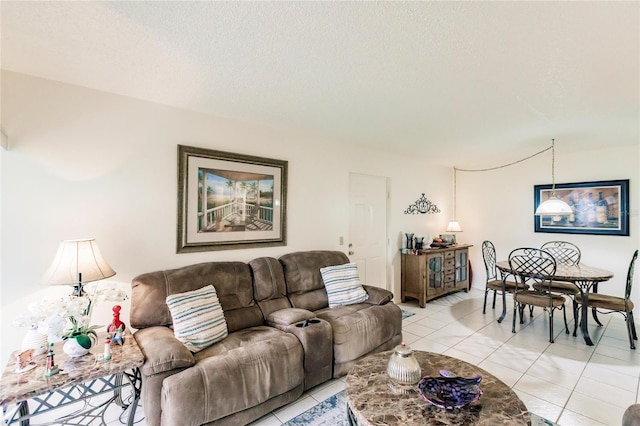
241	338
247	368
360	328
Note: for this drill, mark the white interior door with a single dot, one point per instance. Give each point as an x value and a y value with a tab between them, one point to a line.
368	227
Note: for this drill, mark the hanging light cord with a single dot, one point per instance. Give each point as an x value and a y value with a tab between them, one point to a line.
515	162
553	167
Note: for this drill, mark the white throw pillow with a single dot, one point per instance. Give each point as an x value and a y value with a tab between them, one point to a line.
198	320
343	285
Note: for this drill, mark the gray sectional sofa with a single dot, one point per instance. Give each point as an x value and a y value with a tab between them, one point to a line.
282	338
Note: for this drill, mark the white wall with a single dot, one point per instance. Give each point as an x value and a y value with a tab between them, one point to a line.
84	163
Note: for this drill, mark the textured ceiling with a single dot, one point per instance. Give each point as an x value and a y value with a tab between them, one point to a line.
483	80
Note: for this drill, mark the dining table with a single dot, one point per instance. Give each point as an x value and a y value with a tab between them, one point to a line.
584	277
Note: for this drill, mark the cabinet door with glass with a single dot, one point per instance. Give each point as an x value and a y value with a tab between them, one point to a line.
462	269
435	269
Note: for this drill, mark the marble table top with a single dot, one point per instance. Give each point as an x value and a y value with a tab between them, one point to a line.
579	272
16	387
375	399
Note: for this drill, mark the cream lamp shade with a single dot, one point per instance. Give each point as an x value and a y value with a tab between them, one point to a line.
77	262
454	226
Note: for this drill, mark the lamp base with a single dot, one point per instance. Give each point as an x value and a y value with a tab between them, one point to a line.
78	290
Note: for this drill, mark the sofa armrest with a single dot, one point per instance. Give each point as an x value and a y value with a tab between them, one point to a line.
377	296
284	317
162	351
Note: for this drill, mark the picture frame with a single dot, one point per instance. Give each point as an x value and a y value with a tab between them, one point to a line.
230	201
599	207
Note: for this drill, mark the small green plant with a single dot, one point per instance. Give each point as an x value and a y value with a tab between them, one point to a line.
81	333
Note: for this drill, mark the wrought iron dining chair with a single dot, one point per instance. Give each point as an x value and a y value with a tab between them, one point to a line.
538	266
606	304
565	253
494	283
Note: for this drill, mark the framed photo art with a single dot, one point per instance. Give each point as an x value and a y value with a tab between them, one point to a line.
229	201
600	208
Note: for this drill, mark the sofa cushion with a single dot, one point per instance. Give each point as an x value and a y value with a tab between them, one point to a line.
247	368
198	320
359	329
269	288
233	283
162	351
288	316
343	285
377	296
305	287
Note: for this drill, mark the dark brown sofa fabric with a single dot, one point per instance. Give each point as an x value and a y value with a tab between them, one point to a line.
305	287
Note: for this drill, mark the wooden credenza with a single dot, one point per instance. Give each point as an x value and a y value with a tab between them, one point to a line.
435	272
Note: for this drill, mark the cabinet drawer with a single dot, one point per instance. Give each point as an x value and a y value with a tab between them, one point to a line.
449	278
449	263
449	254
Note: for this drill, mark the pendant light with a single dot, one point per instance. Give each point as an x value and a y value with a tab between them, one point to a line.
553	206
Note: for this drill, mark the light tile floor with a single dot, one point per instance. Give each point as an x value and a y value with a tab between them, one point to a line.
567	382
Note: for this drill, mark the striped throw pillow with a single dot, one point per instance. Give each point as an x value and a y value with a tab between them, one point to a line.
198	320
343	285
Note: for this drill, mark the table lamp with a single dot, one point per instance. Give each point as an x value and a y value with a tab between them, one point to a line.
77	262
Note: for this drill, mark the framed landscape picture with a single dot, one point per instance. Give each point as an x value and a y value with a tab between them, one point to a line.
597	208
229	201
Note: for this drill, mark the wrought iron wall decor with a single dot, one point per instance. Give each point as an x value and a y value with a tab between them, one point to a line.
422	206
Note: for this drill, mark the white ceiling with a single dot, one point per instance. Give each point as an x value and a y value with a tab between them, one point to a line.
485	80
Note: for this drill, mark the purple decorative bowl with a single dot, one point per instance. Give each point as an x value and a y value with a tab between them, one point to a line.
449	391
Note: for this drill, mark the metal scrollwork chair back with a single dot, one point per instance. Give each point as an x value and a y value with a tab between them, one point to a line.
538	266
564	252
606	304
494	283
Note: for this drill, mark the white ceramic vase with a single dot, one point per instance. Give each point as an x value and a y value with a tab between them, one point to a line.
35	340
72	348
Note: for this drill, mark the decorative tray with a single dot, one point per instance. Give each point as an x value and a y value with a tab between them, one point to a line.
450	391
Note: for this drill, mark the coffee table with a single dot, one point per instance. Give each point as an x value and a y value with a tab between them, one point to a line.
375	399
